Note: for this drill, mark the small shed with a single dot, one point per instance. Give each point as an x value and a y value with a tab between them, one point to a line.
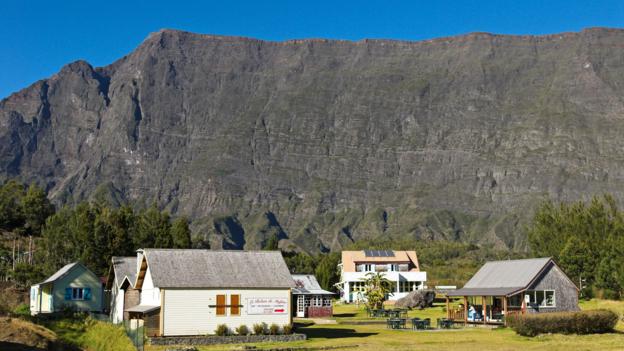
502	288
309	299
73	286
120	288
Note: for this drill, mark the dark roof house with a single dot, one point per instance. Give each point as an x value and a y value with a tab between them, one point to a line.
500	288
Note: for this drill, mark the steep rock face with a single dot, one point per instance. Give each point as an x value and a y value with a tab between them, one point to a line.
324	142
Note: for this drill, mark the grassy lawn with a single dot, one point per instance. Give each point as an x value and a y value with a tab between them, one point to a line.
90	335
377	337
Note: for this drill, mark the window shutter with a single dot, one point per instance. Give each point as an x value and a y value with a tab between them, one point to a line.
234	302
68	294
220	305
86	294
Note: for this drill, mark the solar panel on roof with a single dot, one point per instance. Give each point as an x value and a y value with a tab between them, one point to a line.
379	253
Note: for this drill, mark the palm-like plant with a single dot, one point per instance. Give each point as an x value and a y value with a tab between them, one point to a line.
376	287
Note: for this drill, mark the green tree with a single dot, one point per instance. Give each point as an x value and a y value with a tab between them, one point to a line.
574	259
181	233
153	229
272	243
35	208
376	288
300	262
607	275
327	270
11	194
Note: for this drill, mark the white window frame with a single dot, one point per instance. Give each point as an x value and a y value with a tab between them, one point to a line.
77	294
533	297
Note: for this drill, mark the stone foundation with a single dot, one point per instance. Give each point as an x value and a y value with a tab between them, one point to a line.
230	339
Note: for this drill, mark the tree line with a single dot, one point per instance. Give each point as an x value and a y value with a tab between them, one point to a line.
586	240
38	239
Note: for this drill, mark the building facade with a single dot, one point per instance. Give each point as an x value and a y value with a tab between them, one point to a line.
502	288
399	267
309	299
120	288
73	287
191	292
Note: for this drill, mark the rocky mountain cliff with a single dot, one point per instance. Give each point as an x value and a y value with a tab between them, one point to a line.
325	142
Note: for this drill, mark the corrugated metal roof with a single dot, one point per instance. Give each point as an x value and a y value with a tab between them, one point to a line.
176	268
306	284
484	291
60	273
125	267
507	274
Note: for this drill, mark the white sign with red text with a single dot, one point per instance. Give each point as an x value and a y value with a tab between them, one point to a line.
267	305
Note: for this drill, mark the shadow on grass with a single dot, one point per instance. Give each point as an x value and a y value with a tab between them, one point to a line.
344	315
333	333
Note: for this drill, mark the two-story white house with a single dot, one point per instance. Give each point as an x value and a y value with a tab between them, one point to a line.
400	267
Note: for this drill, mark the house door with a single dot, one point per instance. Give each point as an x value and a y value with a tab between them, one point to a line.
300	306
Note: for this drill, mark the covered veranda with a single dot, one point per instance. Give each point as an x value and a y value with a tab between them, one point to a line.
485	305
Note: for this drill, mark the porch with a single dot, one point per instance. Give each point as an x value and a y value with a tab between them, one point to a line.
485	309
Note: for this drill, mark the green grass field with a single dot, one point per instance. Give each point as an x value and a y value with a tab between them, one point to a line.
353	336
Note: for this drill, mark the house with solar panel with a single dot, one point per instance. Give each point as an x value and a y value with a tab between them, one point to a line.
503	288
73	287
400	267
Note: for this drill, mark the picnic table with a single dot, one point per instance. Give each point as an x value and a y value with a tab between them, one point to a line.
396	323
418	323
445	323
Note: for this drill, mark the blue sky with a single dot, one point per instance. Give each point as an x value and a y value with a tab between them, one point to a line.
39	37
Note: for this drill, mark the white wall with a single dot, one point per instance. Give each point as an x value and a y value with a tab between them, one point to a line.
187	311
150	295
117	304
394	277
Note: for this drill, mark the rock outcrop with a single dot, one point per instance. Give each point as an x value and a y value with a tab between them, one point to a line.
323	142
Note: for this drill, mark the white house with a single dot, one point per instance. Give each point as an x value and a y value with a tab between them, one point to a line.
120	287
400	267
191	292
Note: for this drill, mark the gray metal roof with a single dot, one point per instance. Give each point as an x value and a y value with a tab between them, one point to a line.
484	291
502	277
306	284
125	267
61	272
176	268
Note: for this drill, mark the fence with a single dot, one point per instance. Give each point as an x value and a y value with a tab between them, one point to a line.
136	332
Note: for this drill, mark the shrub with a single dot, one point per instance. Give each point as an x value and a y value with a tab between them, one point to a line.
101	336
22	310
242	330
259	328
274	329
585	322
288	329
222	330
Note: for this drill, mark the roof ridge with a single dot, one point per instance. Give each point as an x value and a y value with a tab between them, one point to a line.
521	259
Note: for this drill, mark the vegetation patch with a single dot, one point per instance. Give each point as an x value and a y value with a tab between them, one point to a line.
585	322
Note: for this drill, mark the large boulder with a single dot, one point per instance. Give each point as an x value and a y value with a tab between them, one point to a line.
416	299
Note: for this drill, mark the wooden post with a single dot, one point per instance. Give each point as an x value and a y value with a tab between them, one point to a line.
505	310
484	312
465	310
13	255
448	310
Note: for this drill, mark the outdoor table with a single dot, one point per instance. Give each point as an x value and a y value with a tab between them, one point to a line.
393	314
396	323
418	323
444	323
